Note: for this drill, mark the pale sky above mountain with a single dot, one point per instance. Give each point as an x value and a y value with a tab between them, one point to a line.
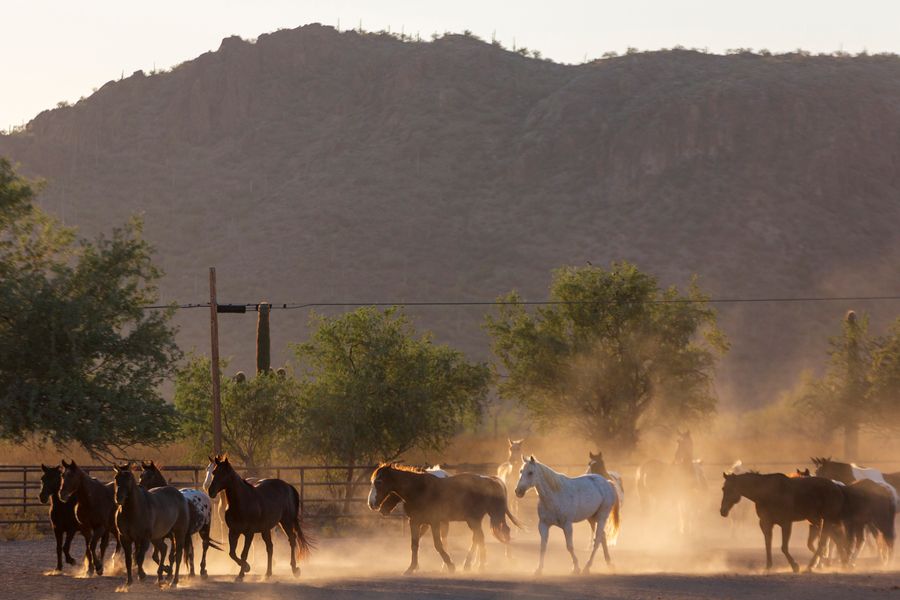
55	51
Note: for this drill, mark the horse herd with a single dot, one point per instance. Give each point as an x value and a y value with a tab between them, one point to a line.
841	502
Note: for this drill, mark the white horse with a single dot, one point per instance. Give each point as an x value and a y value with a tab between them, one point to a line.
563	501
506	472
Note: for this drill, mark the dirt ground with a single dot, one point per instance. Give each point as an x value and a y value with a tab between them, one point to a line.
369	568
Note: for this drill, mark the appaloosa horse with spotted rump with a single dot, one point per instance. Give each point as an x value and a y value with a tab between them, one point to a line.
200	507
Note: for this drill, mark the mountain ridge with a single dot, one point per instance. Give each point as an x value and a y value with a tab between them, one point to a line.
313	165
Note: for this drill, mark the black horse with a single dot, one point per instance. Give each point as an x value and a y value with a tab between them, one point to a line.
95	512
781	500
200	507
149	517
258	509
869	505
432	501
62	514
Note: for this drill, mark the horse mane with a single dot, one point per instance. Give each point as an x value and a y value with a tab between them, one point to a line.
394	466
550	476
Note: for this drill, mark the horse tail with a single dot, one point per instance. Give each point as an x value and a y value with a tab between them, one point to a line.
305	543
612	524
215	545
499	527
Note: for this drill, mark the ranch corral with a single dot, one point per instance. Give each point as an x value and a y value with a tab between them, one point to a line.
361	554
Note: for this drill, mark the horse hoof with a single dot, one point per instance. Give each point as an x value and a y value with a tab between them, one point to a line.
295	571
576	571
451	568
239	578
203	574
410	571
538	572
70	560
586	571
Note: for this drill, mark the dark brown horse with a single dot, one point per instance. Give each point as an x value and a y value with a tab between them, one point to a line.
149	517
430	501
200	507
258	509
781	500
95	511
62	514
868	504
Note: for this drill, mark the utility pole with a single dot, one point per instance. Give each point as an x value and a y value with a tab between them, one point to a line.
214	363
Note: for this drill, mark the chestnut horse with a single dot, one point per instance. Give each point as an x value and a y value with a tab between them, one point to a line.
258	509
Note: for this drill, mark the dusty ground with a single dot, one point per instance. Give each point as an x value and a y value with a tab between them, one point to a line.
355	568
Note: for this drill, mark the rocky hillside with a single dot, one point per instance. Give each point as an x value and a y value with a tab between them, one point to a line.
313	165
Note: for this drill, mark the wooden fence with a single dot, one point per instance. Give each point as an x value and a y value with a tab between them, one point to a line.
327	493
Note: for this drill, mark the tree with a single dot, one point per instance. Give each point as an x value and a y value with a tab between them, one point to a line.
257	412
860	386
614	353
81	360
371	389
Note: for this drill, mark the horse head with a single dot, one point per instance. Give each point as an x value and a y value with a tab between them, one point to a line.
731	495
71	480
124	483
528	474
596	464
221	474
51	479
151	475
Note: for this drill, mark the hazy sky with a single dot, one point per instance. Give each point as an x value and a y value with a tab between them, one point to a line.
60	50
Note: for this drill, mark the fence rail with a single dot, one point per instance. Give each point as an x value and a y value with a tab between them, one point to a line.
327	492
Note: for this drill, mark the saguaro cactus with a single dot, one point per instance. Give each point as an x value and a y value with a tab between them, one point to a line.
263	356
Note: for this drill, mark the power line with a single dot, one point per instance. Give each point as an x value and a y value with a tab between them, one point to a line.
254	306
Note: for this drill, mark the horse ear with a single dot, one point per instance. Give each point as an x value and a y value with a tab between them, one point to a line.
45	468
531	460
63	461
72	463
592	455
509	440
724	475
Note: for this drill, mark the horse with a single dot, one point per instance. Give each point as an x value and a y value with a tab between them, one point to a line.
597	466
391	502
95	512
258	508
660	484
200	506
145	517
847	473
62	514
433	501
563	501
781	500
868	504
506	472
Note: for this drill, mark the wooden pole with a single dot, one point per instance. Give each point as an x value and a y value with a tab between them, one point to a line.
214	363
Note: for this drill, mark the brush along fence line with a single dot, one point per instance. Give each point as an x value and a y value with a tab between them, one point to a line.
327	492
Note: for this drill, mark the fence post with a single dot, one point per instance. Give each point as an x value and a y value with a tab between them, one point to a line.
24	490
302	489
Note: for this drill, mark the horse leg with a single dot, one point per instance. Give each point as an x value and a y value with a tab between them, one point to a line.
570	546
267	540
439	546
204	536
95	539
599	540
785	541
178	542
415	532
824	535
160	546
140	550
544	530
70	535
57	531
472	547
127	549
104	544
766	526
813	536
245	566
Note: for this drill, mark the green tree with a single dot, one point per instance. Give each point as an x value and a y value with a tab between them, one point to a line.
257	412
372	389
80	359
613	354
884	391
860	386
